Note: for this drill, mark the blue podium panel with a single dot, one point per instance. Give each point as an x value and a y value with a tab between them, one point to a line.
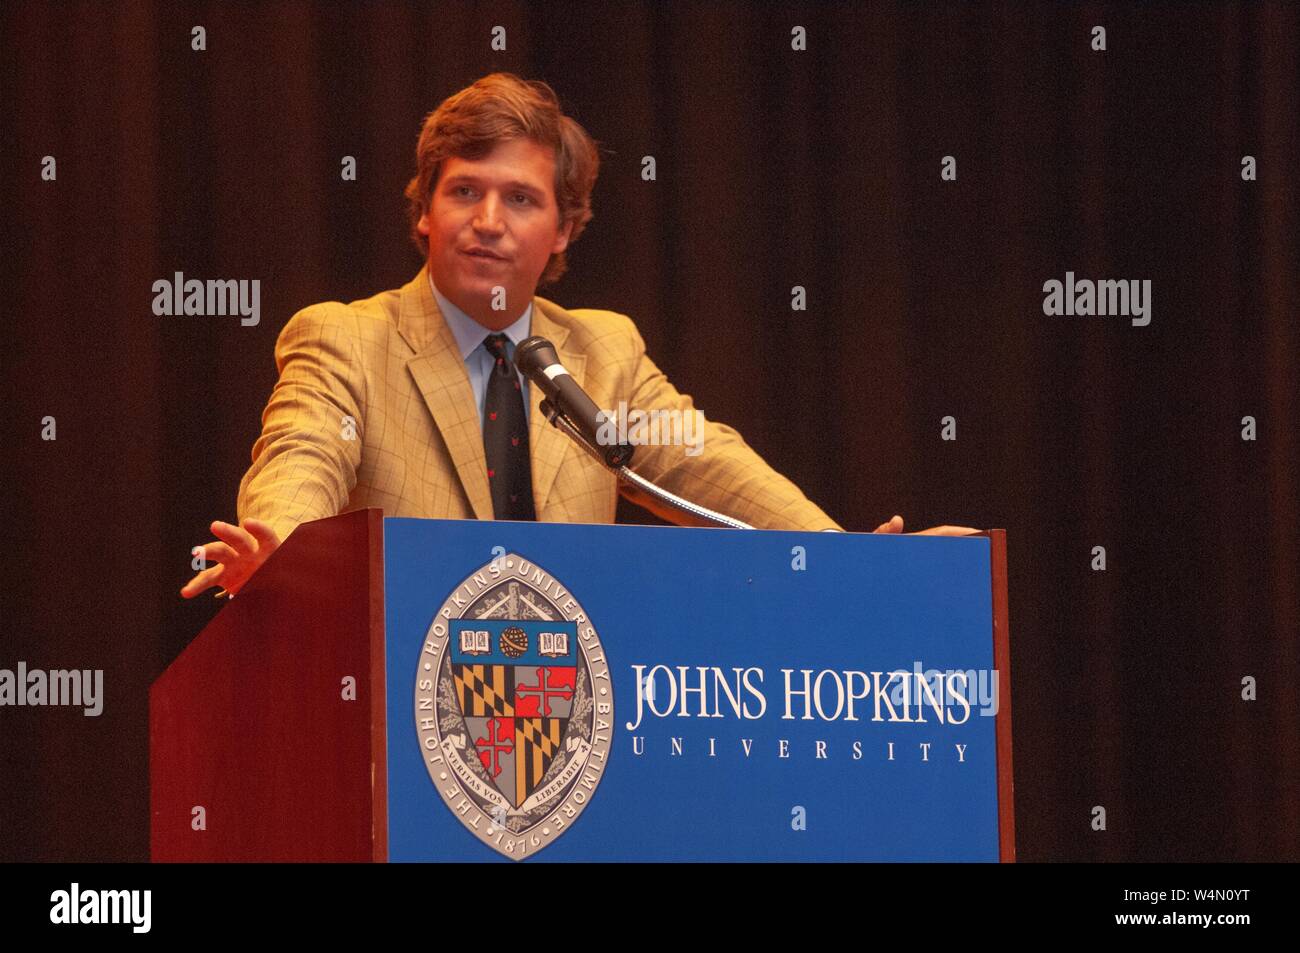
581	692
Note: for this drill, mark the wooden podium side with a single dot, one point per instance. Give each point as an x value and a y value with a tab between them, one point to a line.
1002	663
251	724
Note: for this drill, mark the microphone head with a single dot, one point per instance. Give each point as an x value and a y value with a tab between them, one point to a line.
533	355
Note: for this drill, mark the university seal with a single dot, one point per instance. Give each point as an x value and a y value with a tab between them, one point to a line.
514	708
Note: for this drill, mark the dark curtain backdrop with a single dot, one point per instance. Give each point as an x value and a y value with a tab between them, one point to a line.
775	168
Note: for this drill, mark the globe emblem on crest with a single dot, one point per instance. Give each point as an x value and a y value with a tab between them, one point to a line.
514	642
514	706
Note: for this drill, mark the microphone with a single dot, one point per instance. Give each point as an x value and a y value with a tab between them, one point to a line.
536	358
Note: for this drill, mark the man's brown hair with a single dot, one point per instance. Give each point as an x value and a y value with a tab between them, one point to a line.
495	109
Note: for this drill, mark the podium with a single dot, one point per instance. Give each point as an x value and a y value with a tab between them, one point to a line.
409	690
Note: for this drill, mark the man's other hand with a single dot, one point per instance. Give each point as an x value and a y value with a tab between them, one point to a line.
895	525
239	551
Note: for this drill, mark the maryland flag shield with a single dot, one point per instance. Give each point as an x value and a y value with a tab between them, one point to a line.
514	682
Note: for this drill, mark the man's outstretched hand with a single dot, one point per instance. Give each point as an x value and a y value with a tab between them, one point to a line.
895	525
238	552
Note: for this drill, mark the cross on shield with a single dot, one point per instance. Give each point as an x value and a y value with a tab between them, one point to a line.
533	693
500	740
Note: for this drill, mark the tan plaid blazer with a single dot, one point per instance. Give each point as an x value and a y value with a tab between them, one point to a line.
374	408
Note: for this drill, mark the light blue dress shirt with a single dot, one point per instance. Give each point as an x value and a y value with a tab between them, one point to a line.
469	335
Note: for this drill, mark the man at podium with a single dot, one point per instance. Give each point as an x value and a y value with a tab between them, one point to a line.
410	400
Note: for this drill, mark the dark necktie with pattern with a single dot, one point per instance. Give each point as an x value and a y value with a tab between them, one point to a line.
505	438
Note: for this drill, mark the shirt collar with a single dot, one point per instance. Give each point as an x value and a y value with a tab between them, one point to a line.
469	333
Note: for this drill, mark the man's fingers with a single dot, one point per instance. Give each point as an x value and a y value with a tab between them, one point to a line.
895	525
238	538
204	580
219	553
946	531
262	532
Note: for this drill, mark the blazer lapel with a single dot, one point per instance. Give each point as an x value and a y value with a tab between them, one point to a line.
439	373
548	444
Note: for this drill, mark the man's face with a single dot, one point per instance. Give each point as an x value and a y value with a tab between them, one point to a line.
494	222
